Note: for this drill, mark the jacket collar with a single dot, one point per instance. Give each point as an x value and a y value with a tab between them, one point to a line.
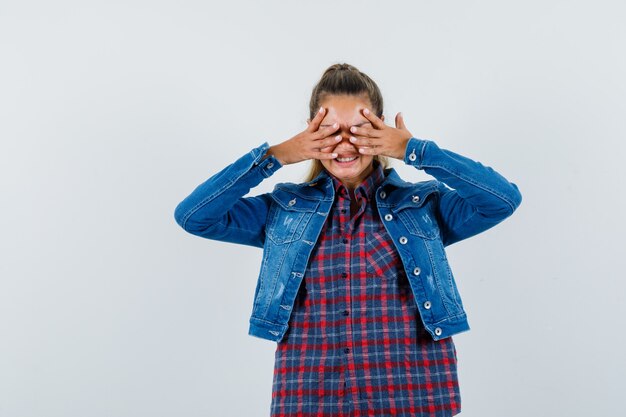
321	187
392	178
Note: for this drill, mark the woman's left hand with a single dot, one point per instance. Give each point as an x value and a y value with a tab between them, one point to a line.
381	139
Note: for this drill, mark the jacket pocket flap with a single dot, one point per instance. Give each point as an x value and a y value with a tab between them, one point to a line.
413	200
292	202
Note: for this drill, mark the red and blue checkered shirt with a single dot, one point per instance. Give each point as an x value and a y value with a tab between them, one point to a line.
356	345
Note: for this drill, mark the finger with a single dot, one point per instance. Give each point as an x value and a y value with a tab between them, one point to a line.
325	131
400	121
315	123
328	149
323	155
361	141
372	150
379	124
366	131
328	141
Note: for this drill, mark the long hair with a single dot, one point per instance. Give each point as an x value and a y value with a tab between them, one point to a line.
344	79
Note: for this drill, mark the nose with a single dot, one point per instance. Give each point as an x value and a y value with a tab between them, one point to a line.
344	144
344	131
345	127
345	139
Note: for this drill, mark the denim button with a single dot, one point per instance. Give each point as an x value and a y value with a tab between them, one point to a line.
416	198
427	305
388	217
292	202
438	331
412	157
416	270
403	240
271	164
383	194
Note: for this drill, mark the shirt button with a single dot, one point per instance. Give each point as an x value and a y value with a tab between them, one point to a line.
416	270
344	240
347	350
383	194
344	275
438	331
416	198
271	164
343	210
403	240
346	312
388	217
427	305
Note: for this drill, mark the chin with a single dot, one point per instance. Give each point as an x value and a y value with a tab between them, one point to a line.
353	168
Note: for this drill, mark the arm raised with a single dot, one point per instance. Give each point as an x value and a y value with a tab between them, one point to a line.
473	197
216	209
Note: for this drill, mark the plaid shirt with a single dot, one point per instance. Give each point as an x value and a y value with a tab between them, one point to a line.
356	345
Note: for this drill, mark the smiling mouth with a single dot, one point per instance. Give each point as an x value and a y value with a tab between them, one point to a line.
346	159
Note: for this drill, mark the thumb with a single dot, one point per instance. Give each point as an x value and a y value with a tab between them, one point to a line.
400	121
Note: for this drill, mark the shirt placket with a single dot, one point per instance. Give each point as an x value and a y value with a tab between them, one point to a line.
350	239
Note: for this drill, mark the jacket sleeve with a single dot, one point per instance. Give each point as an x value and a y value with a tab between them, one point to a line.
217	210
472	197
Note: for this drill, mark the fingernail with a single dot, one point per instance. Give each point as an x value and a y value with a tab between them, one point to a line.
335	125
353	129
366	111
334	155
352	139
321	109
338	137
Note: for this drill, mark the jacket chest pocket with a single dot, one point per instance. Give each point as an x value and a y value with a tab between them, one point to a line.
288	217
419	219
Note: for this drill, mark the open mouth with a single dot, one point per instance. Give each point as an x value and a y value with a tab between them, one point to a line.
346	159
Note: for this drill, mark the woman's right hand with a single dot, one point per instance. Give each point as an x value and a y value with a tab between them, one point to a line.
308	144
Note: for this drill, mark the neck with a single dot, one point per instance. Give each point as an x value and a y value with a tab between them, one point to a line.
351	185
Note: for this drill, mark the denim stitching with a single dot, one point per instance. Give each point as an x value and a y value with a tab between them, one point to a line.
213	196
476	184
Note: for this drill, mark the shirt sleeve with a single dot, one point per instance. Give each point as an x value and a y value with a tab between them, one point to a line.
216	209
473	197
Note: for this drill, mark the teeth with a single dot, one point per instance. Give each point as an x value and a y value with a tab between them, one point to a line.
346	159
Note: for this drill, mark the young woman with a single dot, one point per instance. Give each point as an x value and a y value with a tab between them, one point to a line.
354	284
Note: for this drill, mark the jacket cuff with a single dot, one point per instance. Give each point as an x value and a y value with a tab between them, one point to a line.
267	165
414	152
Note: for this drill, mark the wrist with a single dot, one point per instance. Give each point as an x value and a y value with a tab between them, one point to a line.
401	152
272	150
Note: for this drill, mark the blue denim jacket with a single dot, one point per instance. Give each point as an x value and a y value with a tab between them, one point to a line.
465	198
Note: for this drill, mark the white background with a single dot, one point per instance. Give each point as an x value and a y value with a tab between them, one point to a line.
111	112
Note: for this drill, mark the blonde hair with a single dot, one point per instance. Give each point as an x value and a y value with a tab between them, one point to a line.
344	79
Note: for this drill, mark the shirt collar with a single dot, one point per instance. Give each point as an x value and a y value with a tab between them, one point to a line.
367	187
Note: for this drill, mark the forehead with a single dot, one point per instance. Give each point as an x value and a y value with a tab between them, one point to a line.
345	109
